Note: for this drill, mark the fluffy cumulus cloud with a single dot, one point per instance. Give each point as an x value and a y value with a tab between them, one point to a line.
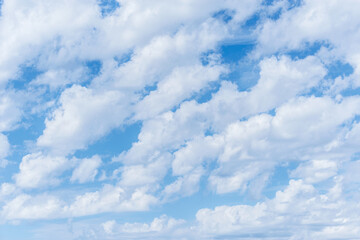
82	117
300	209
135	119
86	170
37	170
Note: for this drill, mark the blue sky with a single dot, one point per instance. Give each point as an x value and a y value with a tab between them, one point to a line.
134	119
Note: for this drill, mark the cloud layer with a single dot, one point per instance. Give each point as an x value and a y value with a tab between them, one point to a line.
182	120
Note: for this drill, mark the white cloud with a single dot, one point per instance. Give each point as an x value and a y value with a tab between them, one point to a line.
109	199
10	112
162	133
303	129
160	224
163	54
86	114
87	170
60	33
315	170
83	117
108	226
145	175
51	206
96	202
39	170
114	92
27	207
34	25
195	152
280	80
247	151
233	142
336	24
182	83
300	210
56	78
6	190
184	185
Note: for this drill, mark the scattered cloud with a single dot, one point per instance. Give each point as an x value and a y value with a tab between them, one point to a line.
120	118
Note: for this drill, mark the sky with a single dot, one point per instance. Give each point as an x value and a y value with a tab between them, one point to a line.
182	119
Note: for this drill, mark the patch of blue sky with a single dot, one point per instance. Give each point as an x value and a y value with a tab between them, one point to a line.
26	74
235	55
147	89
15	232
261	15
279	179
41	230
124	58
340	69
334	70
294	3
307	49
291	3
350	123
243	71
350	92
205	57
224	15
315	91
11	168
272	112
269	2
245	75
30	72
117	141
28	130
7	172
108	7
276	15
355	156
1	3
232	53
169	177
253	21
94	67
206	93
20	140
356	119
